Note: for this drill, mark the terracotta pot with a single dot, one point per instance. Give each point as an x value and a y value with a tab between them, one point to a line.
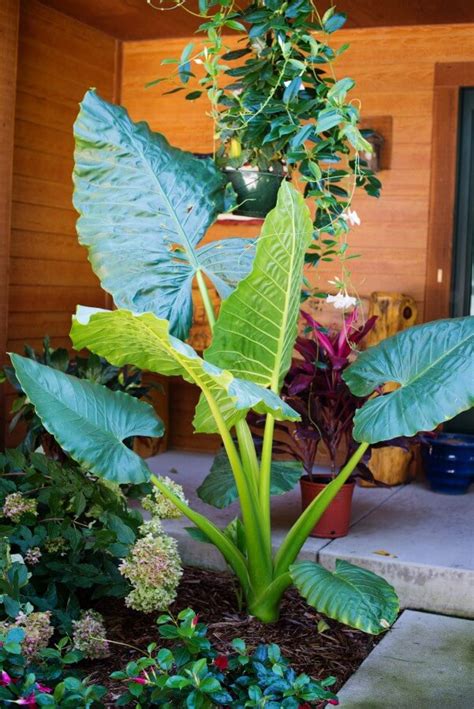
336	519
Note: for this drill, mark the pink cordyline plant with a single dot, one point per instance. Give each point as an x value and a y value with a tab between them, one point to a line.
315	388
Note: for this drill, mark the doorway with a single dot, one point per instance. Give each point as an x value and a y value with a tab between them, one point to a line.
462	292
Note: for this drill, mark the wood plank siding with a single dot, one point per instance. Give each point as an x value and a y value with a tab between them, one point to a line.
58	59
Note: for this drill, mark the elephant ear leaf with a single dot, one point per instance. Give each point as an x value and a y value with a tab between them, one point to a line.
257	325
144	208
351	595
432	363
89	421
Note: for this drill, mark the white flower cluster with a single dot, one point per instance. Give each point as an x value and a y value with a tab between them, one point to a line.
159	505
16	505
38	631
154	569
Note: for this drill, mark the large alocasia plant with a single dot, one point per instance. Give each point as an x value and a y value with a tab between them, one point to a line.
242	371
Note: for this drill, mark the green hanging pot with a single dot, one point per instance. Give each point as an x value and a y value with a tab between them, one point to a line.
256	190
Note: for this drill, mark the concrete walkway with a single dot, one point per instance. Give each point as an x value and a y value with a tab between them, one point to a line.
424	662
420	541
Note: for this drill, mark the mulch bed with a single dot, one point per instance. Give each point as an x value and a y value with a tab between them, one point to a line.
338	651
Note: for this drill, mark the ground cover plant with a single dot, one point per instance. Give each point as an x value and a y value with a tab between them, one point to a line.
161	203
192	673
44	679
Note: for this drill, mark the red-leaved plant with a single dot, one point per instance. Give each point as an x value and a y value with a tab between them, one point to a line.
314	387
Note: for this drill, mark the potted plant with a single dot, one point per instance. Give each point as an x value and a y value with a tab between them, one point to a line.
277	106
315	388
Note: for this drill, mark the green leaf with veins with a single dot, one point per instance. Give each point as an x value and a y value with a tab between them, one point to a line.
88	420
145	341
219	488
257	325
144	208
351	595
433	363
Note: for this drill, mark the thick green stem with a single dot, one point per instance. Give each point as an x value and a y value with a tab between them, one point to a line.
265	476
260	565
228	550
266	607
299	532
206	300
248	453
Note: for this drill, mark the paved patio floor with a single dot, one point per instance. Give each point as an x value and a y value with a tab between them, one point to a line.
425	661
420	541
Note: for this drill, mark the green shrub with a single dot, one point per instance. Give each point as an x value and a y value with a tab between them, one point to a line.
64	533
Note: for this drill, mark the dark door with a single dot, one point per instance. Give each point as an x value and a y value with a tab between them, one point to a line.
462	296
462	300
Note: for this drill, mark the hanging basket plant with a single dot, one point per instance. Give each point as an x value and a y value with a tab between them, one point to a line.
277	106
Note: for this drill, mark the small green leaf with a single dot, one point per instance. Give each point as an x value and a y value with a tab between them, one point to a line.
291	91
219	489
339	90
149	84
327	119
193	95
355	137
333	21
234	25
322	626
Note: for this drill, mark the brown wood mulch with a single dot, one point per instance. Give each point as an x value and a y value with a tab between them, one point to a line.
338	651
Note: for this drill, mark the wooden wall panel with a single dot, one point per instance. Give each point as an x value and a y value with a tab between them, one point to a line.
58	60
9	17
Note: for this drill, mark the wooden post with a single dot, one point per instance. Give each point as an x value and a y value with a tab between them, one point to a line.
395	312
9	19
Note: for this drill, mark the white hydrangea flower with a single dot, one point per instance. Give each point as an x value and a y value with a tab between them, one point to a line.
159	505
153	567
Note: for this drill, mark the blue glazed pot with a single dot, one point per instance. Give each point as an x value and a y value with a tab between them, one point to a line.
448	461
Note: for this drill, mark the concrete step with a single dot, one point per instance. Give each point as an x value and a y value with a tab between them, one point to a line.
425	662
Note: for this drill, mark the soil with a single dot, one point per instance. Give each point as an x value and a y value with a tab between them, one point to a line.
337	651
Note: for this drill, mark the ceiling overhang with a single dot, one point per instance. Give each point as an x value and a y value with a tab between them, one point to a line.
136	19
